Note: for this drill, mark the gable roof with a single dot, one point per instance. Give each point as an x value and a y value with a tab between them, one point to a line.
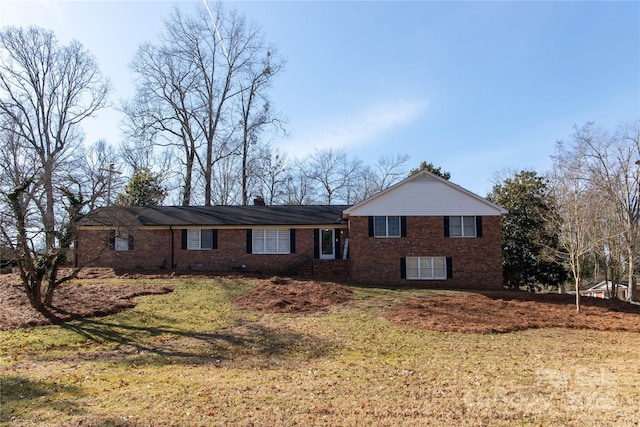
238	216
425	194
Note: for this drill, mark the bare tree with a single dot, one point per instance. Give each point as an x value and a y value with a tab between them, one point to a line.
186	87
255	109
46	91
613	165
273	168
332	171
387	171
577	211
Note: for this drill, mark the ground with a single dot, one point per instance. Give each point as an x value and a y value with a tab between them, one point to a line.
473	312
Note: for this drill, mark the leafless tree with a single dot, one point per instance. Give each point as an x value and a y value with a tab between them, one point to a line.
186	87
273	173
577	210
255	109
46	91
614	167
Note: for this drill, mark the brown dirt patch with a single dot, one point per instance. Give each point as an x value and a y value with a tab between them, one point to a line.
70	301
284	295
511	311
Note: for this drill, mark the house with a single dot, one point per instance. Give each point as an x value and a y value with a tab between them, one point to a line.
423	231
606	289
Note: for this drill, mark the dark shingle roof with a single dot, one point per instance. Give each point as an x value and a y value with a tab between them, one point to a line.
218	215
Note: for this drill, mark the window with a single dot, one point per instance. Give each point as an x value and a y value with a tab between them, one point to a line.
386	226
199	239
426	268
120	241
462	226
271	241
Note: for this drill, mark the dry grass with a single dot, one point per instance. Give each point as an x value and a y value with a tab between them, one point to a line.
191	357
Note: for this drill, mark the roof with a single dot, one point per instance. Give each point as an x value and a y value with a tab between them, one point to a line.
217	215
603	286
426	193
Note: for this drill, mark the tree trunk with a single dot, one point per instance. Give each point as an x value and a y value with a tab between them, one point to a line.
578	294
631	285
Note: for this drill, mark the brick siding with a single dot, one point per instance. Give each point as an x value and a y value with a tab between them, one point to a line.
152	251
476	262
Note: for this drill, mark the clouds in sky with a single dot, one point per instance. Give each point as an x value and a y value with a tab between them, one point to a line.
353	128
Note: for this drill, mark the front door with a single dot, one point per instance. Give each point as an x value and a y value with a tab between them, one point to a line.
327	248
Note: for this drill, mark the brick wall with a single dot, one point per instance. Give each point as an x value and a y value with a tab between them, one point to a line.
152	251
476	262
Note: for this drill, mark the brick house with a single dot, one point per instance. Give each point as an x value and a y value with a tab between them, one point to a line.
423	231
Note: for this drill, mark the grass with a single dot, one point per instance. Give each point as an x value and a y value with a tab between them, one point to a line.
191	358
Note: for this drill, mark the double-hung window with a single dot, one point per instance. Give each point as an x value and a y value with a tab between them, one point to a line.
271	241
463	226
199	239
426	268
387	226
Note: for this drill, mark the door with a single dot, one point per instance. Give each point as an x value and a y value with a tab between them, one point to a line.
327	248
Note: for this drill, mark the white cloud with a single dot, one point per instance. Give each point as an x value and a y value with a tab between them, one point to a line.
351	129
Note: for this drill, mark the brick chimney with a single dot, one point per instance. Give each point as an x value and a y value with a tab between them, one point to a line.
258	201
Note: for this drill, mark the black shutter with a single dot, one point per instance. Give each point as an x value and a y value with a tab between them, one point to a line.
184	239
449	268
130	241
111	240
249	241
337	243
292	241
214	240
403	226
316	243
370	226
403	268
478	226
446	226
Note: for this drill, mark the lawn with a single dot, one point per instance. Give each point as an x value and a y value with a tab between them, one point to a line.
193	357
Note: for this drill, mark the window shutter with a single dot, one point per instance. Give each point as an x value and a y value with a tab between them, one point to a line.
292	241
316	243
249	241
370	226
478	226
130	241
184	239
214	240
111	239
337	243
449	268
446	226
403	226
403	268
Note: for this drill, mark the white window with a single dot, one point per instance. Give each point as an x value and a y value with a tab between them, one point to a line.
462	226
122	242
199	239
386	226
426	268
271	241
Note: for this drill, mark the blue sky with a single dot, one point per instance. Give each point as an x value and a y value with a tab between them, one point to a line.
474	87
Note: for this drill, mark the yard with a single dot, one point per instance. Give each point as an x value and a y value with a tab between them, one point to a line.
235	351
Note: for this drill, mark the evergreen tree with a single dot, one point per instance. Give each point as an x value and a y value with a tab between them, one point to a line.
144	189
430	167
526	236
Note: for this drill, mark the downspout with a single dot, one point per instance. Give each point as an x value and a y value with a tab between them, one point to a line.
171	253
